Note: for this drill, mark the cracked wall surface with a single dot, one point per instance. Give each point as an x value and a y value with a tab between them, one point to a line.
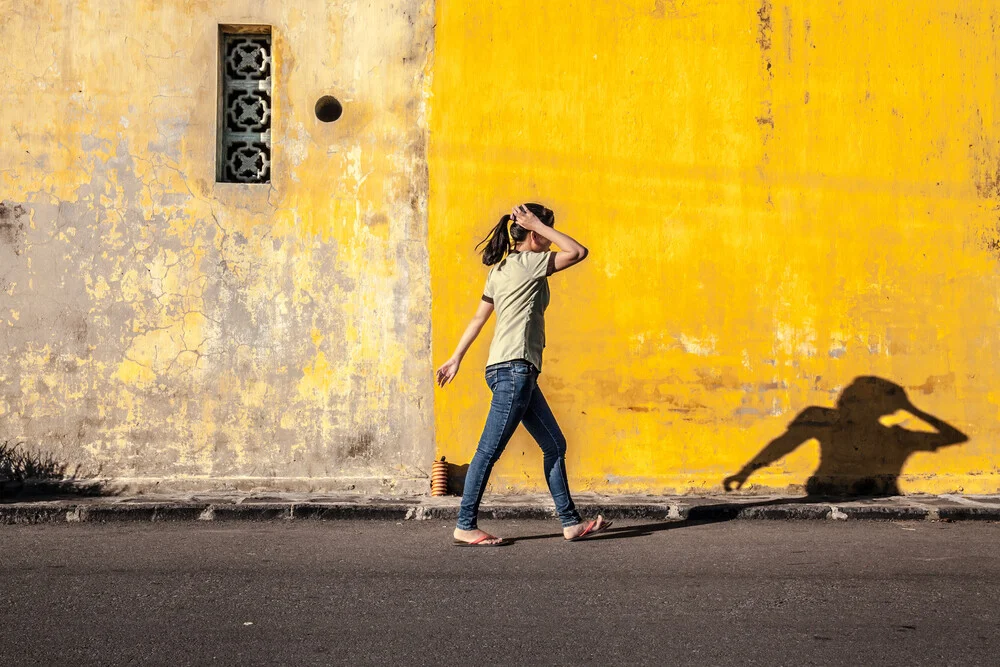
778	197
156	324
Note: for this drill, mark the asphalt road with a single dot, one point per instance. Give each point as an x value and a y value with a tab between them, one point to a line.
740	592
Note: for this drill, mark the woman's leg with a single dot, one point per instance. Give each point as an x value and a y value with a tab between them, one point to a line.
511	393
542	426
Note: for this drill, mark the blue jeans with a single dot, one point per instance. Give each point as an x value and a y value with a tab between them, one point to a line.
517	399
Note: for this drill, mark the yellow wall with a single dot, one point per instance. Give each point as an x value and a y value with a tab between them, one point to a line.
778	198
157	325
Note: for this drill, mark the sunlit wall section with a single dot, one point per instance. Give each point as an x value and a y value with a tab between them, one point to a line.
779	198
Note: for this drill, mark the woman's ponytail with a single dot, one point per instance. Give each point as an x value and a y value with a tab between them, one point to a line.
497	243
502	240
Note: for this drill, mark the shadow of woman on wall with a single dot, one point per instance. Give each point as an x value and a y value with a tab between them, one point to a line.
860	455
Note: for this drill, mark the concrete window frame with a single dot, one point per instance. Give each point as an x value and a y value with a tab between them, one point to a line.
243	152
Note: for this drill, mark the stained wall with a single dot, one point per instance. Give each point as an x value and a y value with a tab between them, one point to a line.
157	325
779	198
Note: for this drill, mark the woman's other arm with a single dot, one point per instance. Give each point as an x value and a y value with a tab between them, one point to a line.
449	369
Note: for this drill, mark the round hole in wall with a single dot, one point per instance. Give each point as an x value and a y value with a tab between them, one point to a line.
328	109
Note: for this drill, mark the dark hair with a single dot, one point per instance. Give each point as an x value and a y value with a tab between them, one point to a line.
500	240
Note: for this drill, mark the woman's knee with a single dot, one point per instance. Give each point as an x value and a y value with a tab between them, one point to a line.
487	454
554	447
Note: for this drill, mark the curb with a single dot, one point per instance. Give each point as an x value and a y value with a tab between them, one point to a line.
152	512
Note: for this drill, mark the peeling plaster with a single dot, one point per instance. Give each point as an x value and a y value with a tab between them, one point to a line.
158	325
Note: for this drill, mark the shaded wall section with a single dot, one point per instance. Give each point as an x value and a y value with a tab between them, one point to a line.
157	325
792	212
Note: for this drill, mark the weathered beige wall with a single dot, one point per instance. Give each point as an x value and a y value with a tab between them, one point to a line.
155	324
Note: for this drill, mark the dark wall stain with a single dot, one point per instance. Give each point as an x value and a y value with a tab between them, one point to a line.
988	181
991	241
765	117
12	218
764	29
360	445
985	158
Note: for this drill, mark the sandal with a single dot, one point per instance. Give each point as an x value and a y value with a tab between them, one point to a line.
590	530
480	542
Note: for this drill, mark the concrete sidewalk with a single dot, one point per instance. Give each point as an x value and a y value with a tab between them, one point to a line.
306	507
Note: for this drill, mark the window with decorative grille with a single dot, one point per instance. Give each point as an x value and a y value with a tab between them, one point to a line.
243	152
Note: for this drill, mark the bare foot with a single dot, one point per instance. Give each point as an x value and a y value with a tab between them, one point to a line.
577	530
472	535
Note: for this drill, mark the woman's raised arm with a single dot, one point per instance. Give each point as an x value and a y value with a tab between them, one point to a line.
570	252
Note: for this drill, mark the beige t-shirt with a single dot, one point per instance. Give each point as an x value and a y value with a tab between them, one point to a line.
518	287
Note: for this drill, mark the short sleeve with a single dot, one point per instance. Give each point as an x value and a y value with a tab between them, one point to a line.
539	264
488	289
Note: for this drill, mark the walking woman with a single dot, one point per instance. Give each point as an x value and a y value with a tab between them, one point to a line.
517	287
